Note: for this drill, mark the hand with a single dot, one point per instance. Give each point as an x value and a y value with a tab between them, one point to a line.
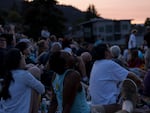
85	79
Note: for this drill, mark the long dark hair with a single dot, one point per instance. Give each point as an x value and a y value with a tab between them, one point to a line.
12	62
57	63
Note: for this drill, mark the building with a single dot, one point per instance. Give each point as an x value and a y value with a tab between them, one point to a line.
112	31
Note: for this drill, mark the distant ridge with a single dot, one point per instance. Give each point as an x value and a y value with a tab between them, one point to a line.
72	14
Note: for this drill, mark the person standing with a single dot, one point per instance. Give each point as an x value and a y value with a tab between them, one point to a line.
132	39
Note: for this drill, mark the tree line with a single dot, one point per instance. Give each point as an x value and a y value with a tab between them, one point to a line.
32	16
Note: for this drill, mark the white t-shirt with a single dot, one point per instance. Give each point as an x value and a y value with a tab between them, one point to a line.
104	81
132	41
20	91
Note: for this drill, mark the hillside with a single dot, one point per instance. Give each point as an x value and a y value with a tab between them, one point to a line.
72	14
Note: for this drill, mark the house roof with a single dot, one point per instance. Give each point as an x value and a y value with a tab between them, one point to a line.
101	20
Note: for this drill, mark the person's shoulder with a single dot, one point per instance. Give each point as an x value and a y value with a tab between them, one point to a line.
73	74
113	63
22	72
42	56
108	61
25	72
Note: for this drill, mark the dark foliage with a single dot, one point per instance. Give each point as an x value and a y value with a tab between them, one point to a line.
91	12
41	13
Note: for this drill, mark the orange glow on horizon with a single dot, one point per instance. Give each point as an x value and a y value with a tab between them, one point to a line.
29	0
115	9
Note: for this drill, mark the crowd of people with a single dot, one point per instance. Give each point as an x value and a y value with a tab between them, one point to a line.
75	77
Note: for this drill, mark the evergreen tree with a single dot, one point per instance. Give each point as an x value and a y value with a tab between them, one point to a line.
91	12
14	14
2	19
147	22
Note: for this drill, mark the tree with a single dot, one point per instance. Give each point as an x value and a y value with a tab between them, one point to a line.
2	17
91	12
147	22
41	13
11	15
14	17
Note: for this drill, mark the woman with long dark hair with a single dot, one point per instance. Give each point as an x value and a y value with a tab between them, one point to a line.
68	95
17	85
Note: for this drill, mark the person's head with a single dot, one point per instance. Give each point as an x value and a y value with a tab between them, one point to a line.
53	38
14	59
134	31
3	41
45	33
101	51
115	51
42	46
10	40
66	42
24	48
56	46
86	56
148	29
60	61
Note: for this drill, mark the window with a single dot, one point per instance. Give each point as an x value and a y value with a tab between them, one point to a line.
87	32
124	27
117	36
109	38
117	26
109	29
101	29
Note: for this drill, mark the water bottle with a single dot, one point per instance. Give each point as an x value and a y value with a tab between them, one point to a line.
44	106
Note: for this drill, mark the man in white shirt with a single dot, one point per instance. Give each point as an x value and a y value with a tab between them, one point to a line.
106	76
132	39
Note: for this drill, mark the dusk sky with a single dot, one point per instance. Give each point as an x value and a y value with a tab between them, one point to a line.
138	10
